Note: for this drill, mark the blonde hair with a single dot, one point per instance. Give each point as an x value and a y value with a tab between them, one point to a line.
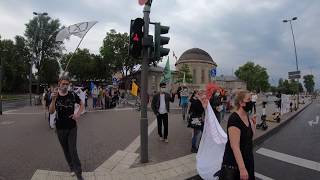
240	95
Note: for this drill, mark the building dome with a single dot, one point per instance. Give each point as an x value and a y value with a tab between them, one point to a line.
196	55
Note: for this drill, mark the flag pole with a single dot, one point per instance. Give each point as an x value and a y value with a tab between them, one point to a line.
75	52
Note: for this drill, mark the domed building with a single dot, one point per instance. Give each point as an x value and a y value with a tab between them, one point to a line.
200	64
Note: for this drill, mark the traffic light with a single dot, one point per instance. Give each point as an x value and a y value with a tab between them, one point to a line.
135	39
159	41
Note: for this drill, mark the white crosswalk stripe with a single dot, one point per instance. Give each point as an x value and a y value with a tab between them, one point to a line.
290	159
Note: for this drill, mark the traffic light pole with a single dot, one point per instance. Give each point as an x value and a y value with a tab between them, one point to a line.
0	85
144	87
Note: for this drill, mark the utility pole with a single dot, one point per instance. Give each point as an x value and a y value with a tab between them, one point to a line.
296	56
144	86
1	85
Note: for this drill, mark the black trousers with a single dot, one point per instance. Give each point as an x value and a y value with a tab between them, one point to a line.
254	107
68	141
163	119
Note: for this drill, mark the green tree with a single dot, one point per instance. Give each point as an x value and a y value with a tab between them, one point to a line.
114	51
14	58
85	66
274	89
184	71
40	32
50	70
255	76
308	81
289	86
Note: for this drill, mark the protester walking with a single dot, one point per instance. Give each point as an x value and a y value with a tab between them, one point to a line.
238	161
63	102
195	121
95	93
184	95
254	99
160	106
216	104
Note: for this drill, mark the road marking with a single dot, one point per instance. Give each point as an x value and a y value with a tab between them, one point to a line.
260	176
6	122
107	110
311	123
9	111
134	146
290	159
23	113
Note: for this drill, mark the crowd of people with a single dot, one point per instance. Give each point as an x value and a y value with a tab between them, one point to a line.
238	157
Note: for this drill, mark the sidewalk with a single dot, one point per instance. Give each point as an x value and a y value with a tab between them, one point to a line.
123	165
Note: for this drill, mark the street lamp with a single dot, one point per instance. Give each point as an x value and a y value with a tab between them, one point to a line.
1	64
295	52
34	57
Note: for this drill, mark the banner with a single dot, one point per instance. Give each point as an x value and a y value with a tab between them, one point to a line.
134	89
211	148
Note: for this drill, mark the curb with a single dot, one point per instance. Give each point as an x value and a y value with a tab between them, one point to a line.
265	136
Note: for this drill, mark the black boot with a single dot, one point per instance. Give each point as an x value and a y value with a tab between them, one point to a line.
79	177
194	150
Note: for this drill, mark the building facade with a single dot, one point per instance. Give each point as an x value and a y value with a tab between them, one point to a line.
200	64
230	83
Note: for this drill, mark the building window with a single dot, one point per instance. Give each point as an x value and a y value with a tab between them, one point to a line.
194	76
202	76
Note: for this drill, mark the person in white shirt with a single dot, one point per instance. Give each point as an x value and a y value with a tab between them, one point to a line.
160	106
254	99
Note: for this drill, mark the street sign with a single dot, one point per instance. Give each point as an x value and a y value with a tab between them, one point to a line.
294	75
213	72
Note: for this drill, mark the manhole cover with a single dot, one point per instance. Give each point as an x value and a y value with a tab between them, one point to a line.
6	123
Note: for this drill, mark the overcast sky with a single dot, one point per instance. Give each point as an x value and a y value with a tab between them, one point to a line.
232	32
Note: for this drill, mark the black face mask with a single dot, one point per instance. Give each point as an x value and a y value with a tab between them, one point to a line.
248	106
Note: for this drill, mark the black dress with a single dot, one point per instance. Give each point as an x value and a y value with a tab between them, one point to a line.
246	148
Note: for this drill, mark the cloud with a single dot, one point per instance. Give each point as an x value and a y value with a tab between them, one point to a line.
232	32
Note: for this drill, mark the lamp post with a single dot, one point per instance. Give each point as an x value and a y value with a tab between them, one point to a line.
1	72
295	52
34	56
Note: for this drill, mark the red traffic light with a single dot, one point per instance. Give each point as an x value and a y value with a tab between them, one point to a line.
135	37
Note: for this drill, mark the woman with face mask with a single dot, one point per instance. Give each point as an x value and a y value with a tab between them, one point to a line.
238	161
196	120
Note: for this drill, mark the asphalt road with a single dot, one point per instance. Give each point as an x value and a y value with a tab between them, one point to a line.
27	144
294	152
14	104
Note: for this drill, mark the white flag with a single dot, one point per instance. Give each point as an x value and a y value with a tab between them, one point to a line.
79	29
211	148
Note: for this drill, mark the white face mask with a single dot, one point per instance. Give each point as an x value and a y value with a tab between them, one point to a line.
162	89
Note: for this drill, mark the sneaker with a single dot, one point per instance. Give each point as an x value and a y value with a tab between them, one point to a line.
161	139
72	174
166	140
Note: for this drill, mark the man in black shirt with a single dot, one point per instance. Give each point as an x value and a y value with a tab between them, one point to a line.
63	101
